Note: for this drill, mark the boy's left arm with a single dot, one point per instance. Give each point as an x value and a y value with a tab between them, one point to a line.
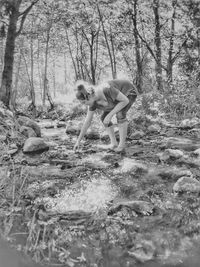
123	101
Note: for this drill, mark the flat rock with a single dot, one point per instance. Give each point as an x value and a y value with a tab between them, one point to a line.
187	184
35	144
130	165
181	143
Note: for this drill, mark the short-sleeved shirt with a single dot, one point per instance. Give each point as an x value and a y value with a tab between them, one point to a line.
111	92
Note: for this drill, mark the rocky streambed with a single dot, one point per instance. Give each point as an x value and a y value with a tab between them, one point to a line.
98	208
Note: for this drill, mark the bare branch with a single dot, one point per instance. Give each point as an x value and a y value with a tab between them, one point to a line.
24	15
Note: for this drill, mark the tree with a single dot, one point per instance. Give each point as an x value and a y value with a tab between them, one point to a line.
12	10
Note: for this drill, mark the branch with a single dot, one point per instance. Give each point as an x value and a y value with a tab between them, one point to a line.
24	14
179	50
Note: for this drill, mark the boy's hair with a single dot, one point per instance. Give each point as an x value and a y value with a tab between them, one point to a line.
82	93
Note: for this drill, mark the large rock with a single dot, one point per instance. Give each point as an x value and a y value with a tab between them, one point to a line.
187	184
24	121
189	123
35	144
27	131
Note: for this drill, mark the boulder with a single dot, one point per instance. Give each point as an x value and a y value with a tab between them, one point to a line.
24	121
187	184
189	123
27	131
154	128
35	144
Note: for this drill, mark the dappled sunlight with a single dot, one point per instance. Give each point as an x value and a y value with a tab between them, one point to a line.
88	196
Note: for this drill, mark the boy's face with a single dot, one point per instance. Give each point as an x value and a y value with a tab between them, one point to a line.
88	102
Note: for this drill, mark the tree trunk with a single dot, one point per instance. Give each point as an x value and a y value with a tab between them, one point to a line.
171	44
157	39
139	72
6	83
32	75
112	60
15	87
46	66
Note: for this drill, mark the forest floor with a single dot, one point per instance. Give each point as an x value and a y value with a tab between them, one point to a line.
98	208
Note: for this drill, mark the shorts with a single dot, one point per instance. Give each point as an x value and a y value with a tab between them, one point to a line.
121	115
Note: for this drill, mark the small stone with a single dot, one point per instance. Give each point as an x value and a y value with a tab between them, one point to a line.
155	128
143	252
130	165
137	135
187	184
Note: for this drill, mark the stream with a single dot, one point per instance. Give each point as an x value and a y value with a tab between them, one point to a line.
96	208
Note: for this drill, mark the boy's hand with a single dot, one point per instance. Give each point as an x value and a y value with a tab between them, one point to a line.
107	120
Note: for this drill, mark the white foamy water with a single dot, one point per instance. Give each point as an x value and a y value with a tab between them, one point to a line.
91	196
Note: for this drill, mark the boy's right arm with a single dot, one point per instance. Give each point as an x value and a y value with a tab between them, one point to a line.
84	128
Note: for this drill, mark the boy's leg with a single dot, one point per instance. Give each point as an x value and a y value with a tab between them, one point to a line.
110	132
123	123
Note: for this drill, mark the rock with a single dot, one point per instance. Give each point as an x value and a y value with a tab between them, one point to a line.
27	131
187	184
196	153
155	128
12	151
24	121
189	123
72	130
140	207
61	124
170	154
143	252
92	135
181	143
137	135
2	138
130	165
171	173
35	144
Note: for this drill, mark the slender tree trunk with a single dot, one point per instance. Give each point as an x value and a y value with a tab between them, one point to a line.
139	73
157	38
54	77
46	66
6	83
32	74
1	56
171	44
112	62
65	68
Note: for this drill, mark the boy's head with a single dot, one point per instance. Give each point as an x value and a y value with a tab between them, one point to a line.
82	93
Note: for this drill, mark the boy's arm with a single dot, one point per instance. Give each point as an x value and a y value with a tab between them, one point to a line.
123	101
85	127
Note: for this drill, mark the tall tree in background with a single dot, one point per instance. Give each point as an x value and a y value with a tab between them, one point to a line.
12	9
